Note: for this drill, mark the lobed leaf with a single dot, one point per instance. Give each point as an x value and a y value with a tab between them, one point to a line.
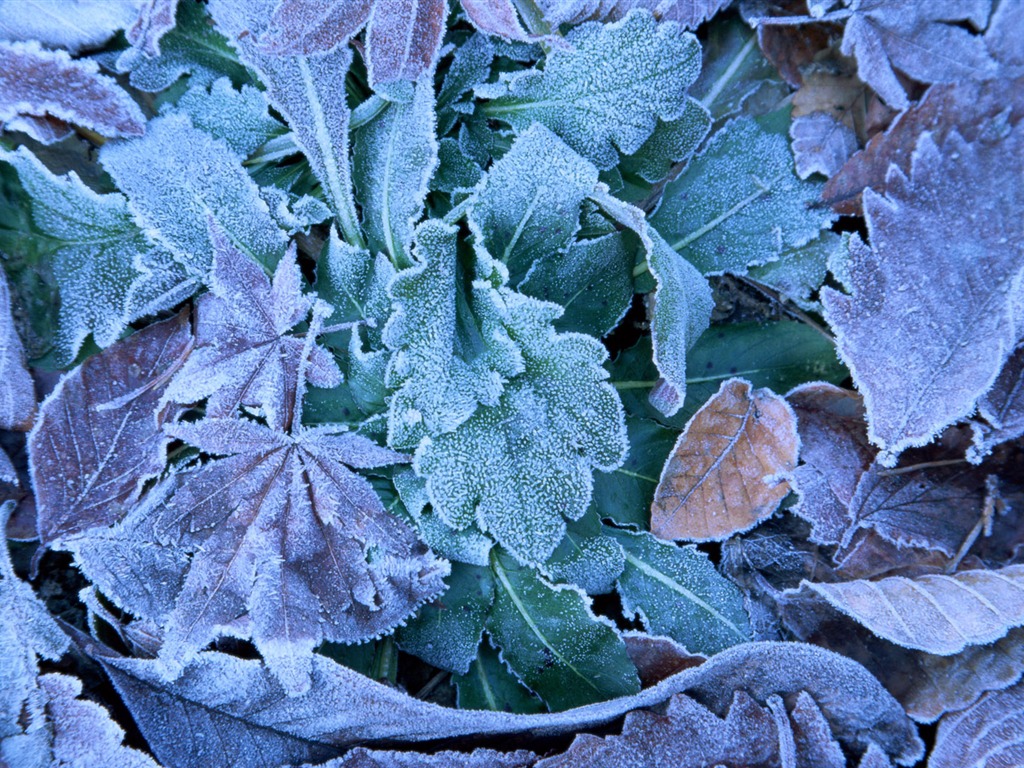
1002	409
673	142
240	118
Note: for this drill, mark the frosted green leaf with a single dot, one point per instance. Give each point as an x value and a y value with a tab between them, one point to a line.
489	685
108	271
176	178
676	591
625	495
740	202
192	48
606	90
444	364
471	66
800	272
554	424
553	642
592	281
395	155
240	118
446	633
355	284
528	204
454	170
586	557
672	142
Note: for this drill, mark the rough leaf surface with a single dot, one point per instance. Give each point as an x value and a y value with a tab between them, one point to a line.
987	735
821	144
1002	408
76	26
723	475
18	398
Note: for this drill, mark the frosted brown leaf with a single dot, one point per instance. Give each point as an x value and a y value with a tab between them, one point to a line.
720	478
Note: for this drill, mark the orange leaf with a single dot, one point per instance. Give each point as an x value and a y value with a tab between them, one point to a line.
720	478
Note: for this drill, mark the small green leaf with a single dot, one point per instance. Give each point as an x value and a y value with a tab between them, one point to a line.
240	118
553	642
625	495
672	142
676	591
355	284
800	272
490	685
586	557
455	170
446	633
611	84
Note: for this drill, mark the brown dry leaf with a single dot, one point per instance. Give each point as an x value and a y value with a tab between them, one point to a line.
722	475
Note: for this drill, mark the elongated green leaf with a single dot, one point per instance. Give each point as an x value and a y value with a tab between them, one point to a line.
552	641
395	155
586	557
800	272
177	178
672	142
625	494
107	270
528	205
611	85
490	685
740	202
676	591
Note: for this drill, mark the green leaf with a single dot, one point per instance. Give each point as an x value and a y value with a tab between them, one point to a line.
394	156
800	272
553	642
240	118
740	203
592	281
455	170
586	557
355	284
672	142
611	84
625	495
176	178
518	467
528	204
490	685
446	633
676	591
108	272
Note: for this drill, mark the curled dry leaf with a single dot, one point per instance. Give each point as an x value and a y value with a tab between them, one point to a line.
42	91
988	735
98	438
17	396
722	477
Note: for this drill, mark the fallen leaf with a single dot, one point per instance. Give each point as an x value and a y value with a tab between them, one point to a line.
156	18
821	144
987	735
77	26
1002	409
723	475
689	13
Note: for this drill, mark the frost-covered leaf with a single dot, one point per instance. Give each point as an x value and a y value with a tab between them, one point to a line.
670	143
625	494
611	85
76	25
243	355
821	144
443	363
1002	408
240	118
987	735
800	272
934	613
156	18
478	758
527	207
191	48
330	564
446	633
355	283
937	284
395	155
555	423
723	476
495	17
490	685
676	591
314	26
689	13
403	39
97	439
933	44
586	557
592	281
554	644
37	84
18	398
739	203
107	269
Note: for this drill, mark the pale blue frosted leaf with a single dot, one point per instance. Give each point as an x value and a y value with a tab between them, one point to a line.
18	398
313	26
586	557
443	365
676	591
1002	409
395	155
74	25
239	118
192	48
478	758
455	170
800	272
108	272
592	281
821	144
625	494
942	296
446	633
606	90
355	284
555	423
471	66
671	143
176	178
292	213
554	643
689	13
740	203
528	204
403	39
986	735
490	685
309	91
156	18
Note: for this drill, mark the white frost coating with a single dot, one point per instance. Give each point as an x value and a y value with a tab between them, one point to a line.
821	144
607	90
75	25
940	295
740	203
108	271
671	142
527	206
395	155
176	177
689	13
989	733
18	394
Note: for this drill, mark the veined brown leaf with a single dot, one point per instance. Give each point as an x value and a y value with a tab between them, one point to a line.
722	477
